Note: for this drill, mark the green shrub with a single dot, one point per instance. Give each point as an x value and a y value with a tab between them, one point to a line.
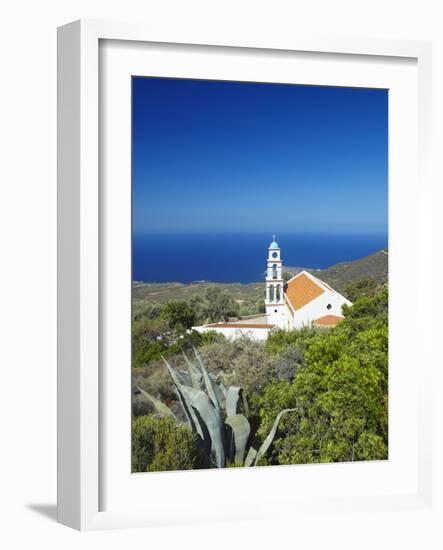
364	287
160	444
219	305
241	362
340	393
279	340
179	314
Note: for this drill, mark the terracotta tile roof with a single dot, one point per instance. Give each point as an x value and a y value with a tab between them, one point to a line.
301	290
328	321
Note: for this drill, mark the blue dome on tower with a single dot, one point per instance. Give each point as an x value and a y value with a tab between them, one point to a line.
274	243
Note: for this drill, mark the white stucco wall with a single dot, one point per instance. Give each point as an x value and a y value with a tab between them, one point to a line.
280	317
318	308
259	334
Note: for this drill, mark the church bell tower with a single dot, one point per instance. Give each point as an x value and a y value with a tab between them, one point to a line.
274	300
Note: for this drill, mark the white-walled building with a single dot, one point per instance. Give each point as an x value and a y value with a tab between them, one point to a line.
303	301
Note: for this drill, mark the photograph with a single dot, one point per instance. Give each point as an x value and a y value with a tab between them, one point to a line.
259	274
223	247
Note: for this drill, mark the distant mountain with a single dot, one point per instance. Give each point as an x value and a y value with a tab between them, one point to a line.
338	276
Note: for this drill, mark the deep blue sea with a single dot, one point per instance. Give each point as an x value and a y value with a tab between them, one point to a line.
239	258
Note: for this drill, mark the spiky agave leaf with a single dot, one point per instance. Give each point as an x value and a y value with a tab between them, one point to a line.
194	375
252	453
220	392
177	378
241	430
210	416
209	384
184	377
222	388
232	398
158	405
192	418
270	437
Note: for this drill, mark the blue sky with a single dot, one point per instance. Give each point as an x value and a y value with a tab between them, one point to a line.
212	156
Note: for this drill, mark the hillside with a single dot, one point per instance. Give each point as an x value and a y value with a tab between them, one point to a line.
374	266
338	276
164	292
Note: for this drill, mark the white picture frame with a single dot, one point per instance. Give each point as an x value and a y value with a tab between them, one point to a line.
80	262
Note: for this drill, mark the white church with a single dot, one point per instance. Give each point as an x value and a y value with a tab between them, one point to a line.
303	301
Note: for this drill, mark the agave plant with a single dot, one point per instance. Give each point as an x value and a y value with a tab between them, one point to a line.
217	414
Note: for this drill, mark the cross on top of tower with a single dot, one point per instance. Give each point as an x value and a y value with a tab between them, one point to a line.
274	243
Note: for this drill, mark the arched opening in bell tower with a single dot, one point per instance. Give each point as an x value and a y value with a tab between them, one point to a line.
271	293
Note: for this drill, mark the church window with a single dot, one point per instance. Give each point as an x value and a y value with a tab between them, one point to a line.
275	310
275	254
274	271
328	306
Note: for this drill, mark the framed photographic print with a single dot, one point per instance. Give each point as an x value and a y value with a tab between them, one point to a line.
242	235
226	336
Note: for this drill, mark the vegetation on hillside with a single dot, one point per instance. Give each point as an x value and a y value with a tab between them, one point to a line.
163	329
160	444
216	414
336	380
370	268
340	392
